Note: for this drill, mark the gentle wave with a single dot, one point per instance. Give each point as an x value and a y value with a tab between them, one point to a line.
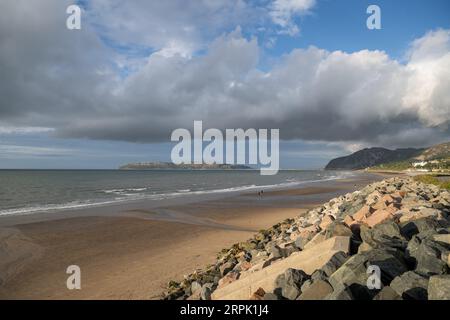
125	196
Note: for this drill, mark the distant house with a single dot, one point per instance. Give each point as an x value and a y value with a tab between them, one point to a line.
419	164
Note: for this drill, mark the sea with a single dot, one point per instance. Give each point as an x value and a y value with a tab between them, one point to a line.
33	191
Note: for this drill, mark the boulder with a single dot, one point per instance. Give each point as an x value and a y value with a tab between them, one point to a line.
205	292
318	275
364	247
226	267
387	293
340	294
363	213
318	238
195	295
275	251
411	286
353	273
290	283
378	217
258	294
386	234
326	221
270	296
412	228
349	221
416	215
195	286
380	205
229	278
427	255
335	262
308	260
318	290
439	287
336	229
444	238
373	197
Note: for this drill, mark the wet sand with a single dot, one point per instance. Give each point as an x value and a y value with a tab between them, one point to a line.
134	252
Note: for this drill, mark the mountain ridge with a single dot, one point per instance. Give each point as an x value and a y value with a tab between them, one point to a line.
377	156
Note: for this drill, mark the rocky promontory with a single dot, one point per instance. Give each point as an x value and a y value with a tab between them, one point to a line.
387	241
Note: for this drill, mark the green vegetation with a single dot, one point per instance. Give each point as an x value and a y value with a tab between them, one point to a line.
433	179
433	165
397	166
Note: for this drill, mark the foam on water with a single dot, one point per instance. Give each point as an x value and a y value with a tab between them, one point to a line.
121	195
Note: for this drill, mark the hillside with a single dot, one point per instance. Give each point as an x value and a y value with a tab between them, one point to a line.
436	157
372	157
439	151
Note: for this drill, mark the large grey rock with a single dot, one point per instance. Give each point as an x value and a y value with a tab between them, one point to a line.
306	285
301	242
411	286
439	287
319	275
195	286
275	251
336	261
290	292
296	277
337	229
383	235
353	273
350	208
426	256
387	293
226	267
205	292
414	227
293	281
270	296
340	294
317	291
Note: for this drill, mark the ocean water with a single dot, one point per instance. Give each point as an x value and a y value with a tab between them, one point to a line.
31	191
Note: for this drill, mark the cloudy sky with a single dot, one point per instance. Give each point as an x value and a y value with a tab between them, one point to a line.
112	92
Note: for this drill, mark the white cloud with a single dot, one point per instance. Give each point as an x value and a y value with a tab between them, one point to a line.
19	152
9	130
61	80
429	80
283	13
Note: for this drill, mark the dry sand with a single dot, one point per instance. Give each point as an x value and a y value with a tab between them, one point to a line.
134	254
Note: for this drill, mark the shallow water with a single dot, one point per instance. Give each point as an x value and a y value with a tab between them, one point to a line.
30	191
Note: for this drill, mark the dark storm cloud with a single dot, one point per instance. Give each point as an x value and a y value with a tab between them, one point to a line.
72	82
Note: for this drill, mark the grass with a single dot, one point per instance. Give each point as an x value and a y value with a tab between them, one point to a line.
432	179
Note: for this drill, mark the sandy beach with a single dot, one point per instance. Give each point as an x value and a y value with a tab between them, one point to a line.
131	254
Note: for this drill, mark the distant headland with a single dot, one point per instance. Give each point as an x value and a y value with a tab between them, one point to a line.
169	165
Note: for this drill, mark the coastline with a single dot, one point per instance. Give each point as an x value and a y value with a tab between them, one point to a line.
132	254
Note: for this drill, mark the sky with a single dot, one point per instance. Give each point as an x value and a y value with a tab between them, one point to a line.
112	92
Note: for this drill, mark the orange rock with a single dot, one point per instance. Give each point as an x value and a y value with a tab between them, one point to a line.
380	205
228	278
245	265
378	217
326	221
307	232
398	195
388	199
393	208
363	213
348	220
258	295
